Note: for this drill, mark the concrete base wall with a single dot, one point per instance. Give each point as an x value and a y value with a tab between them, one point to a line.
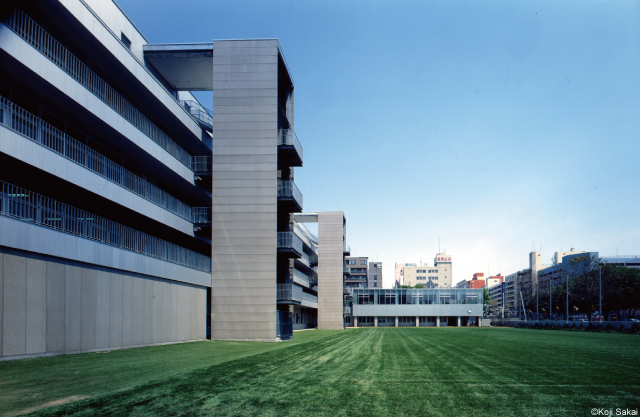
51	306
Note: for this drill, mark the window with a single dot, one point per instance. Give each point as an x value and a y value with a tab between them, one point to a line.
125	40
375	276
363	261
353	262
375	285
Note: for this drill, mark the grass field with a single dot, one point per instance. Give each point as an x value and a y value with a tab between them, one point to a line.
367	372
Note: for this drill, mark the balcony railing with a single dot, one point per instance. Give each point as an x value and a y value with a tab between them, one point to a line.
289	189
347	249
289	137
313	259
31	32
347	310
201	215
202	164
309	297
198	111
289	292
34	208
39	131
289	240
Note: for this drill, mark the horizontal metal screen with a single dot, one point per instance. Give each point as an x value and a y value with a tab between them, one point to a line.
31	207
31	32
36	129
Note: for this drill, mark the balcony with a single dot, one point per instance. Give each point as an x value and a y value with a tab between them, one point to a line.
347	250
201	219
289	196
27	206
347	310
355	278
289	148
41	132
31	32
313	259
203	115
288	294
202	165
289	245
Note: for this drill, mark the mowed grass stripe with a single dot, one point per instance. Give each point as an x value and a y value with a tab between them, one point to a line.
31	383
403	371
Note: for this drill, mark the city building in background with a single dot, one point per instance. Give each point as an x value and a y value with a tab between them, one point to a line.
493	280
440	275
477	281
374	275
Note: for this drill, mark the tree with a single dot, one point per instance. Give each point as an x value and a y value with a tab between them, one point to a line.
486	299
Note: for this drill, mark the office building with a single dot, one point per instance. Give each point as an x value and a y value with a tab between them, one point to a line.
440	275
401	307
130	215
477	281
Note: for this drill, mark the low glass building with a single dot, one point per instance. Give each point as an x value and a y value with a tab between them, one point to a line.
417	307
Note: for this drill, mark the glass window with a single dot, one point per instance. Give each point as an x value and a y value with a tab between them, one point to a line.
363	262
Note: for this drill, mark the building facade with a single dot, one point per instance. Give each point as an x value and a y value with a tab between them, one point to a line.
417	307
101	213
374	275
130	215
440	275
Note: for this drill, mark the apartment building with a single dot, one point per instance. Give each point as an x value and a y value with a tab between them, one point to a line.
130	215
493	280
440	275
356	272
374	275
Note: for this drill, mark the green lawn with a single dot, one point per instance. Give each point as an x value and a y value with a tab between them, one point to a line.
446	371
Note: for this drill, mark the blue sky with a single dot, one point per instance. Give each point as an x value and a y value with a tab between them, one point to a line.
486	125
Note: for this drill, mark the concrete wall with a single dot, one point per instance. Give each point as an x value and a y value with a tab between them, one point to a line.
330	272
55	306
244	214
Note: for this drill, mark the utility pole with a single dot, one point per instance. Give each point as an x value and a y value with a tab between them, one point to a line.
550	301
567	298
537	297
600	293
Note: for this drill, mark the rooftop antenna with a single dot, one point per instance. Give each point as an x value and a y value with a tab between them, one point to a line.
438	244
